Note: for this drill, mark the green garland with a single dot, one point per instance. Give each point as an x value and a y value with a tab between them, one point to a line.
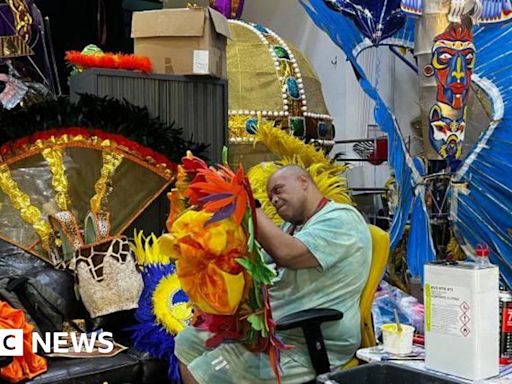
108	114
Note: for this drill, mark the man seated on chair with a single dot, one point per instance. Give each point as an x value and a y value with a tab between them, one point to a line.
323	255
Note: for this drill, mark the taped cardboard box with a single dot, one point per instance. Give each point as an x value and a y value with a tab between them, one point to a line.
185	3
185	41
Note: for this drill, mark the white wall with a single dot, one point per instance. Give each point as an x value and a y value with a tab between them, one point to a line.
351	109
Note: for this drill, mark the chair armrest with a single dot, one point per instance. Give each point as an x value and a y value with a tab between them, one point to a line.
310	320
308	317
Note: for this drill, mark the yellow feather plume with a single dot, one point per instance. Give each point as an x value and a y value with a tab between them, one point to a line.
329	181
147	249
454	250
285	146
258	177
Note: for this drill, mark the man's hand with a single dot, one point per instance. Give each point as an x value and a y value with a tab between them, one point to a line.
286	250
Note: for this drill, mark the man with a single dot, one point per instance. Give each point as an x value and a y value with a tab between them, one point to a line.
323	255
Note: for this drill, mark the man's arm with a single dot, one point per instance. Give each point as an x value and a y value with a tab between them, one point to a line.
286	250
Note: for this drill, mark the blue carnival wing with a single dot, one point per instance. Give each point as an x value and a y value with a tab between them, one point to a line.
482	193
344	33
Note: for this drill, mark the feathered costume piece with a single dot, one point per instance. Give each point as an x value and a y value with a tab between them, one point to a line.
163	310
44	174
108	60
93	57
220	267
480	191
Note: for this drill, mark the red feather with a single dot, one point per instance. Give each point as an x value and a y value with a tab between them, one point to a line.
109	60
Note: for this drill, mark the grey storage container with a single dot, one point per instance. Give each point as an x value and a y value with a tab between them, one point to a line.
198	104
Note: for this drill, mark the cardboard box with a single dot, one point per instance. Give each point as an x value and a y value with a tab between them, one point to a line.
186	41
186	3
462	320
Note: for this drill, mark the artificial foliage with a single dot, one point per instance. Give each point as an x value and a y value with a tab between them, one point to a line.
218	262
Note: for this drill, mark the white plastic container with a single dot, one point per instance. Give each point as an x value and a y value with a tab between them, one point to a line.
396	342
461	319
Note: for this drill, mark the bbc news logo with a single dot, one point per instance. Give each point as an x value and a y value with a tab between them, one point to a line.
11	342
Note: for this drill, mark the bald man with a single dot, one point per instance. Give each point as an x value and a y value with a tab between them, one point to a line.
322	254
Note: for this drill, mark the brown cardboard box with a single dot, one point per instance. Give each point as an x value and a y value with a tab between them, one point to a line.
186	3
185	41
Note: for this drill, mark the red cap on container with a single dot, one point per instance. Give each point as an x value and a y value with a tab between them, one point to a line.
482	250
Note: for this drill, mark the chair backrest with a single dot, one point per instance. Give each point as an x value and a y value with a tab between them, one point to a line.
380	254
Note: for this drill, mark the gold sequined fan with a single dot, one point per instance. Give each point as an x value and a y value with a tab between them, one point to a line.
70	175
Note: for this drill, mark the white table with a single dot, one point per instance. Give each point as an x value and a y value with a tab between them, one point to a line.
377	354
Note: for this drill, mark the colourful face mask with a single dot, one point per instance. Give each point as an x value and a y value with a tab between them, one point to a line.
453	59
447	134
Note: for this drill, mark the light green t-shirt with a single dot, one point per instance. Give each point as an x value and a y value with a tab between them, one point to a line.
340	239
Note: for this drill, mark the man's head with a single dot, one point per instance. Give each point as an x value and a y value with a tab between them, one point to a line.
292	192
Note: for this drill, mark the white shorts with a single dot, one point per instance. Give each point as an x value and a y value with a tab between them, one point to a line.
232	363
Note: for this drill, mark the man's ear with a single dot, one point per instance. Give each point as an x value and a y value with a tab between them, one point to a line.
304	181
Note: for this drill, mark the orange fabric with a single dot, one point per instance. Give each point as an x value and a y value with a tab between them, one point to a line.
206	261
29	365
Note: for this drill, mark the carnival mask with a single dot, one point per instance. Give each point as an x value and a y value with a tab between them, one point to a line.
453	59
447	133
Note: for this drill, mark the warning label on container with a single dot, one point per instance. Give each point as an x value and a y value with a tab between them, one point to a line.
506	320
448	310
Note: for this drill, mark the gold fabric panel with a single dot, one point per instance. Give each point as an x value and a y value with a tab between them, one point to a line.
253	83
29	180
21	201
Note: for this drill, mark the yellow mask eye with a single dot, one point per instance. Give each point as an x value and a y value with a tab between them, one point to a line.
438	65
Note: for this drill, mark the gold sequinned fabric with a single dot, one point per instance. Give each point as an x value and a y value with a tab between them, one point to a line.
101	223
103	187
13	46
54	157
22	18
